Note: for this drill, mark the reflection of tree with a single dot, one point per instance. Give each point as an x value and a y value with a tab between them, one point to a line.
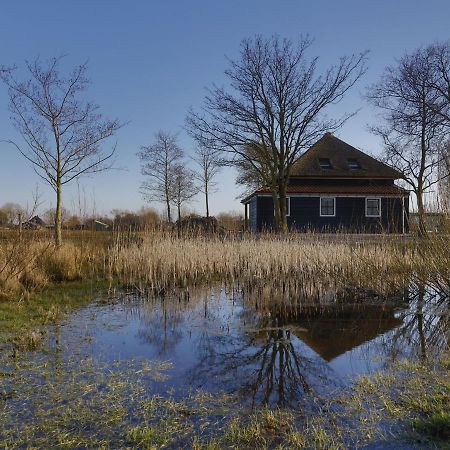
266	368
165	320
426	325
161	327
257	348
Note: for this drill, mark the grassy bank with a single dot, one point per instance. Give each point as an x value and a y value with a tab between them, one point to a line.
81	404
22	321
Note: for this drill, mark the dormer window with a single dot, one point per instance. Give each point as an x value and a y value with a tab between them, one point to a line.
325	163
353	164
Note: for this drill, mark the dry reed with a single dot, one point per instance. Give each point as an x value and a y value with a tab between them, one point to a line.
161	261
167	261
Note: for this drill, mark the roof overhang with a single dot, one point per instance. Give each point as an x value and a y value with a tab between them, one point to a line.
335	191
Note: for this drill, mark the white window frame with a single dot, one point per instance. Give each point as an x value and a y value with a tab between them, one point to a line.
288	204
334	206
379	206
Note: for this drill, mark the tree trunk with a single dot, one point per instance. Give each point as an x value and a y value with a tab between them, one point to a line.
420	325
206	200
283	226
169	218
276	209
421	213
58	215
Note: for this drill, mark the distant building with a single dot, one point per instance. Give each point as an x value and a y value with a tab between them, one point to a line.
334	186
95	225
35	223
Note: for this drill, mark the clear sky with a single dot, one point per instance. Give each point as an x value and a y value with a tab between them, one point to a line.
149	61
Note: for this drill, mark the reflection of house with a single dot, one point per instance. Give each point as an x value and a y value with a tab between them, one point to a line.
340	329
34	223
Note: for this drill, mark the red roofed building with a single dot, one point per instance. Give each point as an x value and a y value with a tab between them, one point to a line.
336	187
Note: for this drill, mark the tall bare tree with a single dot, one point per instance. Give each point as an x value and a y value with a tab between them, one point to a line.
438	56
159	162
184	187
412	131
63	134
208	166
275	101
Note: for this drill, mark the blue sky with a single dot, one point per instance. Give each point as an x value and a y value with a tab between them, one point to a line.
150	61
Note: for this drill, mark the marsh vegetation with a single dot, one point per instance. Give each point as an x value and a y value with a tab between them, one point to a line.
155	340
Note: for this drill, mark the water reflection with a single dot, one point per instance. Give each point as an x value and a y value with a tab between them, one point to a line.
268	348
425	325
264	368
335	332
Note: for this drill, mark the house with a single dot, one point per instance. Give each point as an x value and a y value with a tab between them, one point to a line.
335	187
35	223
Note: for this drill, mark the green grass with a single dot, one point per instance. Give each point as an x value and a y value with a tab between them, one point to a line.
414	397
29	313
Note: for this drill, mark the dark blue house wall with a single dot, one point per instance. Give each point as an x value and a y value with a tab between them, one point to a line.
252	222
350	215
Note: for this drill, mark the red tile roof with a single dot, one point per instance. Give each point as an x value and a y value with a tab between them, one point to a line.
389	190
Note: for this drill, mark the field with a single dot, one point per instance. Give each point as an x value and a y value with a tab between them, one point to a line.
92	334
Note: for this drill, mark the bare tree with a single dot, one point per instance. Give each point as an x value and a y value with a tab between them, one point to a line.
438	56
209	165
159	161
184	187
63	134
275	102
413	131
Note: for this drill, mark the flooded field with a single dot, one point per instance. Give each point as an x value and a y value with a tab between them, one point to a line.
219	339
208	349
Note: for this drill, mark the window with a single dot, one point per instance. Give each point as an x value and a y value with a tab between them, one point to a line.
325	163
288	207
373	207
353	163
327	206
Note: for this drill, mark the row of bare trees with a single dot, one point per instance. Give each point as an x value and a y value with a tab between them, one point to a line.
274	107
169	180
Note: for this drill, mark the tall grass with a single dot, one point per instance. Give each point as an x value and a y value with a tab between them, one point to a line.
313	262
31	262
160	261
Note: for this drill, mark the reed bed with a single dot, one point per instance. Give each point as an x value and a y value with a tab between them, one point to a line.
299	264
288	262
